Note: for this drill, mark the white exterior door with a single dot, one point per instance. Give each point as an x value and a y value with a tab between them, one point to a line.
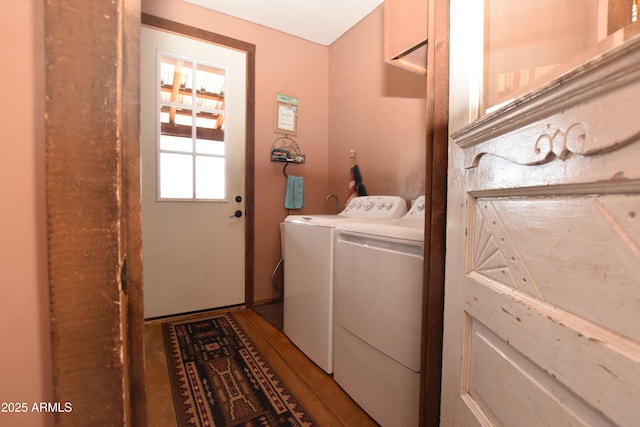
193	244
542	294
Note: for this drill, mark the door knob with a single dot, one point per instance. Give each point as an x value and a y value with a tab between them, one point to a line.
236	214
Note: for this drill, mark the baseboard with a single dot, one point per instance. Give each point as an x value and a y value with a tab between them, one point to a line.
192	314
263	301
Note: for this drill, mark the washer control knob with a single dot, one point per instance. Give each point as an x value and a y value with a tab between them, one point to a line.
368	205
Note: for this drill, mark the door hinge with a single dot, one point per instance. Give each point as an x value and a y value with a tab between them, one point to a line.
123	276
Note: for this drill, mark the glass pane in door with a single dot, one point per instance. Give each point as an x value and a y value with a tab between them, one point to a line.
528	44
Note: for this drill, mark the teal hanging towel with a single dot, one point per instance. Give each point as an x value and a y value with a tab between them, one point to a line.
294	197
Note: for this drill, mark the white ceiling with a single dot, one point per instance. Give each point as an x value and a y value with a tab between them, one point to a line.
320	21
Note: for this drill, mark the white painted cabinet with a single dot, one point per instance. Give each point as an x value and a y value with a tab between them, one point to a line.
405	34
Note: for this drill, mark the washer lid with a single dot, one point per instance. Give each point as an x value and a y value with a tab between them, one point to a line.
409	227
316	220
397	229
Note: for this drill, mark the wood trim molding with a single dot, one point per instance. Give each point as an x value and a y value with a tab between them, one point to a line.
558	121
606	73
437	140
91	157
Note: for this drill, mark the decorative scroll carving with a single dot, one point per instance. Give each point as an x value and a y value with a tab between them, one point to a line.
561	144
549	146
574	112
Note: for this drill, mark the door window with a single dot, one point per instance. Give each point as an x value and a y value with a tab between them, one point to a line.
191	143
529	44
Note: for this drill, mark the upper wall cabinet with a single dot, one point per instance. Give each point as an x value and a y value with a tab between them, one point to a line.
405	34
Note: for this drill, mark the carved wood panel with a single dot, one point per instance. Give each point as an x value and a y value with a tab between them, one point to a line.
564	251
550	297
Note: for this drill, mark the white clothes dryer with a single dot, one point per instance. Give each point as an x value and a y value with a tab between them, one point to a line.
308	318
378	298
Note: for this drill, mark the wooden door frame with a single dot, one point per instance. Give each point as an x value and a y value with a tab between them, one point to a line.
93	210
437	141
250	50
93	206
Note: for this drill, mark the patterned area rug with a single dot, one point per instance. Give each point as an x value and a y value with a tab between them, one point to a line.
220	379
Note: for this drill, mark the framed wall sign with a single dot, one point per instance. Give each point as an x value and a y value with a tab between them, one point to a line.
286	114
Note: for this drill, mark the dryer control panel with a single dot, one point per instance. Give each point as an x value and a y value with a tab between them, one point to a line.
376	207
417	209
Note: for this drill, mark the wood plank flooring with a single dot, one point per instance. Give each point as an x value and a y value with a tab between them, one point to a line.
323	399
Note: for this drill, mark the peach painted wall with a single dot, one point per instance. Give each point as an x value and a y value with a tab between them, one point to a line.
283	62
25	367
349	98
378	110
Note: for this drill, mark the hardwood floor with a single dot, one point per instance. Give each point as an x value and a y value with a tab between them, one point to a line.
323	399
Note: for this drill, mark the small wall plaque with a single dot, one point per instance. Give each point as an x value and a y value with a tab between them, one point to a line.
286	114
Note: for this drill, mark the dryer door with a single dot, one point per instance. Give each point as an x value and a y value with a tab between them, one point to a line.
378	285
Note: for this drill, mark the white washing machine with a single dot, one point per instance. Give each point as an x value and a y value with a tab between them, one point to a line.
309	271
378	298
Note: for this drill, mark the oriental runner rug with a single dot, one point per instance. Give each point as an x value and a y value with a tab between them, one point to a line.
218	377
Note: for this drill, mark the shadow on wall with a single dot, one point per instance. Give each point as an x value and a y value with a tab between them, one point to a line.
399	83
